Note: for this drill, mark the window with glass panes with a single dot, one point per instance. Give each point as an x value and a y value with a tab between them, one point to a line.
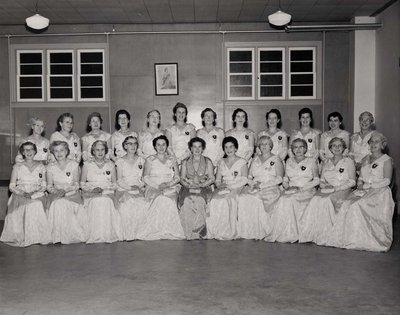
302	72
91	74
240	73
30	75
271	73
60	75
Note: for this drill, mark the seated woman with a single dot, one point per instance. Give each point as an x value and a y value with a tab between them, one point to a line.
335	120
197	174
36	136
133	205
95	133
365	219
147	136
359	146
278	136
180	133
265	175
212	135
122	125
26	221
301	176
223	208
161	175
64	132
308	134
244	136
98	183
64	198
337	178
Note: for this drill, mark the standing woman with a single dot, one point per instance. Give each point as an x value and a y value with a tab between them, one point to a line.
36	136
64	198
98	183
64	132
359	147
26	222
133	205
180	133
122	125
335	120
244	136
301	176
223	208
197	174
212	136
161	175
337	178
365	219
310	135
257	201
147	136
278	136
95	133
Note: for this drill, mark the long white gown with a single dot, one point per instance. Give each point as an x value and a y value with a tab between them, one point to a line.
222	211
103	221
254	207
278	139
179	141
26	221
146	143
162	218
245	150
285	216
321	213
88	140
74	144
359	146
327	136
365	222
213	141
311	138
133	206
63	213
116	142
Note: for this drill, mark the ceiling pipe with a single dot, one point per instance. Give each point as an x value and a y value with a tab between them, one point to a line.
332	27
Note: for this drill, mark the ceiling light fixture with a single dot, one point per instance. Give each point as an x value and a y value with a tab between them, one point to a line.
279	18
37	21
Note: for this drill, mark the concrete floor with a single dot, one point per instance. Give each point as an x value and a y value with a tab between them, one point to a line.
198	277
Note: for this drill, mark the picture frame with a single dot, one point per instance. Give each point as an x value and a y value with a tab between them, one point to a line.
166	78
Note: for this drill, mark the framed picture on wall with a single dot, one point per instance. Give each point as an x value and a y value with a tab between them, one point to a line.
166	77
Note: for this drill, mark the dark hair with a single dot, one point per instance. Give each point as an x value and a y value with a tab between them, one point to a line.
277	113
306	110
338	115
23	145
122	112
57	143
162	137
94	114
197	139
104	143
230	139
235	112
61	119
179	105
299	140
204	111
159	114
126	140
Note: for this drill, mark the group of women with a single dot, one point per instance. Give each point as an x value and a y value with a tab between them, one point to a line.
330	189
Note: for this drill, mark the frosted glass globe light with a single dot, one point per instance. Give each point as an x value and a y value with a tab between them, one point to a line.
37	22
279	18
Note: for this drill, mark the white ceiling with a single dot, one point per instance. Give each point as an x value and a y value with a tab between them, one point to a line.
14	12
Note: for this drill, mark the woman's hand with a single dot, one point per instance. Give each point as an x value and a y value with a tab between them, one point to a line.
60	193
97	190
285	185
163	186
27	195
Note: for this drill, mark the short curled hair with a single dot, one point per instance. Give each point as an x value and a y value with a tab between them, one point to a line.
246	118
89	119
162	137
159	115
381	137
197	139
335	114
337	139
230	139
277	113
57	143
204	111
122	112
126	140
371	117
61	118
302	141
34	120
102	142
179	105
25	144
271	143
